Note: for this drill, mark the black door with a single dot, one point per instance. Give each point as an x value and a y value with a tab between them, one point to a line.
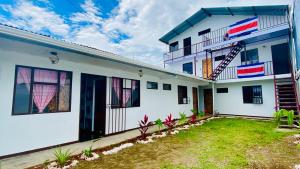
280	56
92	107
187	49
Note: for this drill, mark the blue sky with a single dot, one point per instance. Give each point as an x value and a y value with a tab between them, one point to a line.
130	28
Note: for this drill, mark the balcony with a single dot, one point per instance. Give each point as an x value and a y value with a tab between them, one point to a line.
266	26
232	73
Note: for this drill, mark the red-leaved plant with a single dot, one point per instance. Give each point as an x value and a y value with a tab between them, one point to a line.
144	126
193	119
169	122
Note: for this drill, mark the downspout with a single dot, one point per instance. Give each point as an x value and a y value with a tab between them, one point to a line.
213	96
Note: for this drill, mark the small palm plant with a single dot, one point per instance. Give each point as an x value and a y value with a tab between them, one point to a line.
284	113
183	118
62	157
159	124
88	152
194	111
290	117
201	113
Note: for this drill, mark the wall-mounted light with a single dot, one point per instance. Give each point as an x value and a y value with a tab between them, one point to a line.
54	57
140	73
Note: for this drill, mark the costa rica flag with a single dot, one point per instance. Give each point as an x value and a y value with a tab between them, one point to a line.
253	70
243	27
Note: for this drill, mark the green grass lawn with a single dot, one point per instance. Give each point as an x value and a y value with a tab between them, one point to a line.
220	143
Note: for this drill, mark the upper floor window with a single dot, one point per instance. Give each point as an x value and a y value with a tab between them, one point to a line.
249	57
188	68
125	93
252	94
152	85
173	46
219	58
40	90
182	95
204	32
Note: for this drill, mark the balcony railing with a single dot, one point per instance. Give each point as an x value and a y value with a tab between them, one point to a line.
231	72
217	36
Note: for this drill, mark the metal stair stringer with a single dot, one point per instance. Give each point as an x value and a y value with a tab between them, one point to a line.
226	61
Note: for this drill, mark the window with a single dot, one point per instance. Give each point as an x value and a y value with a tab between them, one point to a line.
222	90
40	90
182	95
203	32
173	46
152	85
252	94
219	58
125	93
249	57
166	86
188	68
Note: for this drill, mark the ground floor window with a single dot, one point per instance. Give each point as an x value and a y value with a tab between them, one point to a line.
125	93
222	90
182	95
252	94
166	86
40	90
152	85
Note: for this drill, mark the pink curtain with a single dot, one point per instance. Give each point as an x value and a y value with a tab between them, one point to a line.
47	76
126	96
63	77
24	76
42	95
116	82
134	84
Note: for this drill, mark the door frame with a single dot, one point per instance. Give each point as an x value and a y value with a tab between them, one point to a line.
195	98
186	47
204	99
80	106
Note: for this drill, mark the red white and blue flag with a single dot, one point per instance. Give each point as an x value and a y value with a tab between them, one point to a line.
253	70
243	27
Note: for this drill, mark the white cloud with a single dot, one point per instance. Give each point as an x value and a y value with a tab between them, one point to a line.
143	20
28	16
91	13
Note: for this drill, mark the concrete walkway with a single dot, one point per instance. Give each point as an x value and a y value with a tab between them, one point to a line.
32	159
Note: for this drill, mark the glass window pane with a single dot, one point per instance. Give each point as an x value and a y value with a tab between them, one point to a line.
116	92
44	98
47	76
126	97
64	92
135	93
22	91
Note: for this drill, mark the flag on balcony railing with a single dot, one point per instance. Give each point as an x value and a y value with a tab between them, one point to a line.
253	70
243	27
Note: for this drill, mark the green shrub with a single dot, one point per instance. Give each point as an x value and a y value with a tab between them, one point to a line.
201	113
284	113
159	123
62	157
183	119
194	111
88	152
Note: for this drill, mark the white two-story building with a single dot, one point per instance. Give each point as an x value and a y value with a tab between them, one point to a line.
244	50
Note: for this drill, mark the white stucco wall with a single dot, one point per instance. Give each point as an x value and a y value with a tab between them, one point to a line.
27	132
232	102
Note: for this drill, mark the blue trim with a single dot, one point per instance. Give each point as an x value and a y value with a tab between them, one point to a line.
243	21
254	64
247	76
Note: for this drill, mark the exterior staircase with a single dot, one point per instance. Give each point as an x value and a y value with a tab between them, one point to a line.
286	98
225	62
